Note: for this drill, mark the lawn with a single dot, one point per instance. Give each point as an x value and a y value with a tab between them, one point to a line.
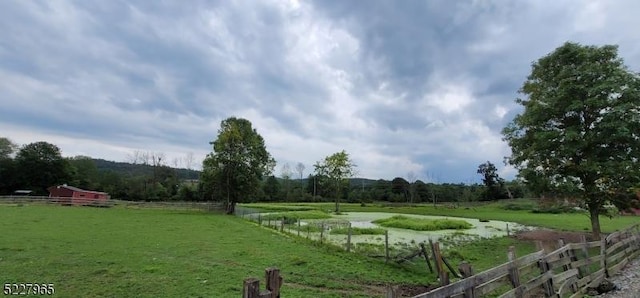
117	252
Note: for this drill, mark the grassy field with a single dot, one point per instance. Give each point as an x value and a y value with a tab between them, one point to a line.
491	211
116	252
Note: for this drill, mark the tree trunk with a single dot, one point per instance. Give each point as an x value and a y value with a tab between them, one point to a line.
594	214
338	197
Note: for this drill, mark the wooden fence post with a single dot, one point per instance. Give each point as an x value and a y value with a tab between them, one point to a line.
603	255
251	288
274	281
321	231
298	227
544	267
587	267
437	259
349	238
467	271
514	274
282	225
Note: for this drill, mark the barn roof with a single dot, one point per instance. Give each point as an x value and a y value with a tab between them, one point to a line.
79	189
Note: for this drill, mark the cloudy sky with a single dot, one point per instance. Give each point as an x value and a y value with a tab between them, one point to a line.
422	86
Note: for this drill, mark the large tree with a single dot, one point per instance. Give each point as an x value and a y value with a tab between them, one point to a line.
337	167
579	131
238	162
494	185
40	165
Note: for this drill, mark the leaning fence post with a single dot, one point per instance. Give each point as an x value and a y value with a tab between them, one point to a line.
321	232
298	227
426	256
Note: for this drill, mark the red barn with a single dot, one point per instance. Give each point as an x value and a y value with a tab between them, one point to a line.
76	196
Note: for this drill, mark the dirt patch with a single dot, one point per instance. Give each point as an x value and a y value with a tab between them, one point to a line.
549	238
412	290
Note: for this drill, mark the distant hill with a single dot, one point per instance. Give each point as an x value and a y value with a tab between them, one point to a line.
125	168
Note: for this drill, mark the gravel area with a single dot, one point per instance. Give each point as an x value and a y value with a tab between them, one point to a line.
627	282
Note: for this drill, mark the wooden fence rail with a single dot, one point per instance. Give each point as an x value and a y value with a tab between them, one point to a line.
569	271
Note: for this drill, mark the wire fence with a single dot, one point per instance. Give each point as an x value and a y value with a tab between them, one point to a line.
341	233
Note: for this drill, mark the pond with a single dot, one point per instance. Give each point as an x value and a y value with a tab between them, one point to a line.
398	236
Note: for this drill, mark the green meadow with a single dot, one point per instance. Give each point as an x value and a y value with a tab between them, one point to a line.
117	252
120	252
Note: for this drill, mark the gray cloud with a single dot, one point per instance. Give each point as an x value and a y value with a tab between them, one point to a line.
402	86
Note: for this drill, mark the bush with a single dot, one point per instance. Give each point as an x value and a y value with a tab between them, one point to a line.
555	210
418	224
518	207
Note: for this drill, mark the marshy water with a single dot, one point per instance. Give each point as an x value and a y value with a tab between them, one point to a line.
489	229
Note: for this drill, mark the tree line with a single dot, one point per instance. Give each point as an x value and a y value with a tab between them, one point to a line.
147	177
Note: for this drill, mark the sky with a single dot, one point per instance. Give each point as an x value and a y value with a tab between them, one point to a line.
403	86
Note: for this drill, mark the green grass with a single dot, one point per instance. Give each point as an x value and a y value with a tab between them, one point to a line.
277	207
117	252
295	215
359	231
419	224
491	211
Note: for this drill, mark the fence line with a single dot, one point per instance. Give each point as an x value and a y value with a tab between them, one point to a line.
206	206
570	270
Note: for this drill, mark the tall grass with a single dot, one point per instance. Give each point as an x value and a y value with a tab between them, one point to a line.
418	224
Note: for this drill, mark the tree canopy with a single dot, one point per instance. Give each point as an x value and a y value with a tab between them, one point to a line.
579	129
337	168
40	165
494	185
238	163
